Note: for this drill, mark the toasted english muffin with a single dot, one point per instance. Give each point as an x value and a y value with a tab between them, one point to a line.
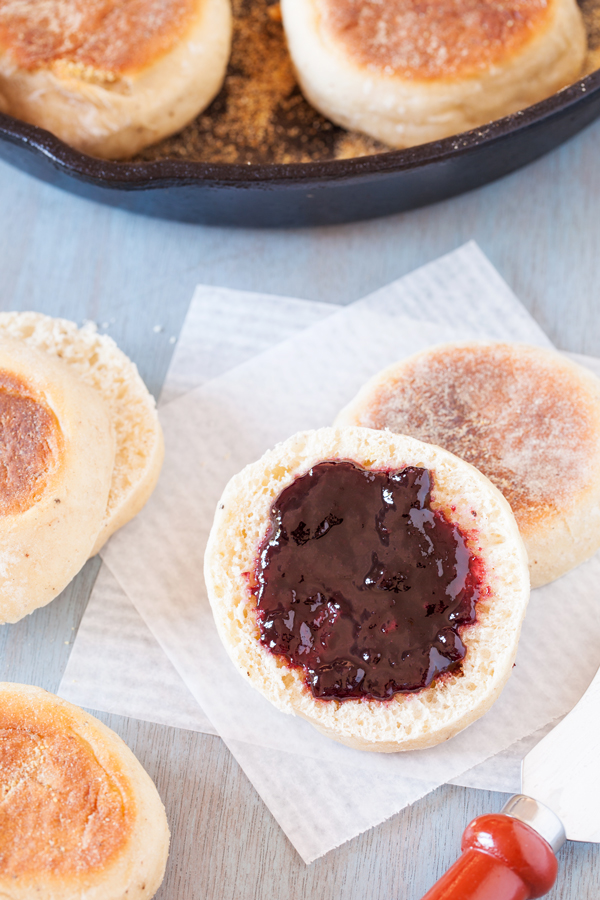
110	77
79	816
527	418
407	72
96	360
57	455
338	690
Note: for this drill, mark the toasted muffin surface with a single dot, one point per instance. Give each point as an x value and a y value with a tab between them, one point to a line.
103	36
30	444
79	816
408	72
437	39
110	77
56	461
61	813
519	415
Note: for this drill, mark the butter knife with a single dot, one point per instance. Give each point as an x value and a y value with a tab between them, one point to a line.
511	855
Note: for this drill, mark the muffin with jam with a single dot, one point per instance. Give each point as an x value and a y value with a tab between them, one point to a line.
371	583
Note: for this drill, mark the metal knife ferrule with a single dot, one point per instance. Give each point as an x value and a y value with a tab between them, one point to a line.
538	817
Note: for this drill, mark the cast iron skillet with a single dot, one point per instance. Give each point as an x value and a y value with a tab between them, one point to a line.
317	193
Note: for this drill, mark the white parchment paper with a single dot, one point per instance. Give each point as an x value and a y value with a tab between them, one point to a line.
114	647
322	793
224	328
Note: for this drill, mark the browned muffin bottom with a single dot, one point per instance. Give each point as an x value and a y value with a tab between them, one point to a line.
92	35
432	40
30	445
61	813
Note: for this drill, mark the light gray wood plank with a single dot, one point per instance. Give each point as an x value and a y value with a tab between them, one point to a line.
36	649
66	256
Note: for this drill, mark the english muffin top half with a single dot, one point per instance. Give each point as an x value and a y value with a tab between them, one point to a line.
408	72
110	77
95	359
78	814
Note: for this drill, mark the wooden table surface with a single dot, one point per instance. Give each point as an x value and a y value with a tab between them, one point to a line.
68	257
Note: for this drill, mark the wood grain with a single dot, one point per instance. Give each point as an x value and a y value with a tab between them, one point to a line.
65	256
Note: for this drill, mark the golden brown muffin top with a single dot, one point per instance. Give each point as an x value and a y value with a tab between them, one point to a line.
529	425
30	445
61	812
107	38
425	39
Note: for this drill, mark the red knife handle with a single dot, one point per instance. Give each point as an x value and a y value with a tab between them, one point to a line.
502	859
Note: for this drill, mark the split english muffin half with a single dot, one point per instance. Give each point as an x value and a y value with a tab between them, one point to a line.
95	359
78	465
57	456
79	815
315	655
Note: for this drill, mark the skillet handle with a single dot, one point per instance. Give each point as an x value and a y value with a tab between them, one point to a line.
502	859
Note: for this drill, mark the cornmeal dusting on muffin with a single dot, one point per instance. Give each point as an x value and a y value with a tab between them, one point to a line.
417	39
61	813
106	36
590	10
30	443
260	116
527	425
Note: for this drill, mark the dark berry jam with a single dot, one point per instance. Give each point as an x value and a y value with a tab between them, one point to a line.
362	584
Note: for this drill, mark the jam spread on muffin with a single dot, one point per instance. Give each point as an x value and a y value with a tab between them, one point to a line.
362	584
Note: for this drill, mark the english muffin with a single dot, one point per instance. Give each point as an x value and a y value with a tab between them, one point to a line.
79	816
57	456
407	72
110	77
371	583
96	360
527	418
